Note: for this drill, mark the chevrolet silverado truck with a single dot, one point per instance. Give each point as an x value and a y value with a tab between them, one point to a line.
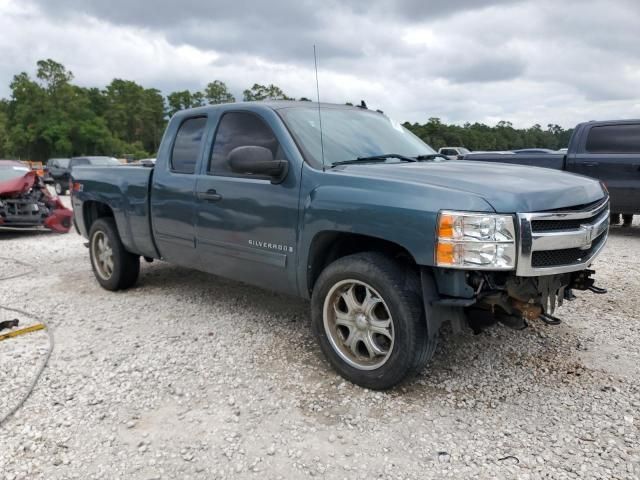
345	207
606	150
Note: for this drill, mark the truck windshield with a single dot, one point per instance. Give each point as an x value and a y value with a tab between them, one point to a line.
349	134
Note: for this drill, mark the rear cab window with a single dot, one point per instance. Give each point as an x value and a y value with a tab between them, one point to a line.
187	146
624	138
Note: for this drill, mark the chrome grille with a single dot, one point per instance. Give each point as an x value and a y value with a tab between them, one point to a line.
561	241
556	225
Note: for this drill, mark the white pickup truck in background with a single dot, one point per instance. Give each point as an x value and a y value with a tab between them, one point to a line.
454	153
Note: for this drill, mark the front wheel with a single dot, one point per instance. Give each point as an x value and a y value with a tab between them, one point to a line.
113	266
369	322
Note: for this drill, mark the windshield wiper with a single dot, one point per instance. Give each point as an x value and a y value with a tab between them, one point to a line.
431	156
375	158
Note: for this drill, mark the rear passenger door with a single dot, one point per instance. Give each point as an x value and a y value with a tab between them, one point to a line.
611	153
173	201
246	225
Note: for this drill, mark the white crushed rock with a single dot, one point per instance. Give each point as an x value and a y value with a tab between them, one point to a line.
194	377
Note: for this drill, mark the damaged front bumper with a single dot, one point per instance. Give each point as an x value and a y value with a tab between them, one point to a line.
33	208
555	250
482	298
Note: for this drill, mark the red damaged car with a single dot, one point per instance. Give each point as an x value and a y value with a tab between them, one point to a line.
25	201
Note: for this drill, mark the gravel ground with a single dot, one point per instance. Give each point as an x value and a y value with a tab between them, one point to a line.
189	376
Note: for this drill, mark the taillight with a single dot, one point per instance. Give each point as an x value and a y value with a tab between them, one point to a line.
76	187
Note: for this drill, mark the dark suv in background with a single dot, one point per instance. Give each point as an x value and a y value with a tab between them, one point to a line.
55	168
59	169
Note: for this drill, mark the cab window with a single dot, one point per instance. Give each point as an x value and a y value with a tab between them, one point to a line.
614	139
186	148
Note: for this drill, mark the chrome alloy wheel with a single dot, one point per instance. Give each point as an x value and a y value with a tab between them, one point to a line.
102	255
358	324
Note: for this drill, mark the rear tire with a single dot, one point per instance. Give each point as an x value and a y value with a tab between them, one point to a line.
60	189
354	300
113	266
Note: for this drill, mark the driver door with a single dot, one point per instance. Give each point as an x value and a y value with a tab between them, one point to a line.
246	225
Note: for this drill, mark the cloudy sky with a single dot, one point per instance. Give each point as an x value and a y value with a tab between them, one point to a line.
529	62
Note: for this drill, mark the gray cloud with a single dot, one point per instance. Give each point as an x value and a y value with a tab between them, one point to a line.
463	60
275	13
489	70
279	29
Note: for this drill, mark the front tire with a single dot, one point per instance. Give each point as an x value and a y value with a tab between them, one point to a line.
113	266
369	322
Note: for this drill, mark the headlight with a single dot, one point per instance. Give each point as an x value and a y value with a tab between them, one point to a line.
475	240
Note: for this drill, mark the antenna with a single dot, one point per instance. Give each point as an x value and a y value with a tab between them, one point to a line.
315	61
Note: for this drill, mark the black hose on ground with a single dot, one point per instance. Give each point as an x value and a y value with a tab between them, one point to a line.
4	417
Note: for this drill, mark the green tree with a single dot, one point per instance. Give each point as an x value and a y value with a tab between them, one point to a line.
4	124
53	75
478	136
182	100
262	92
217	92
134	114
25	109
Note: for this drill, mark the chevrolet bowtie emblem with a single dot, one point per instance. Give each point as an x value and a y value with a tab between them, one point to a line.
589	233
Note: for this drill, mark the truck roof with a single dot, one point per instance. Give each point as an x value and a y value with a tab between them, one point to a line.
609	122
270	105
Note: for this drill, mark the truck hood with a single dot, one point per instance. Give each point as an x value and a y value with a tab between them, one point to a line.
507	188
18	186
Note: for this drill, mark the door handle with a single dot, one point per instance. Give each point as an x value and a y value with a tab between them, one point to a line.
209	196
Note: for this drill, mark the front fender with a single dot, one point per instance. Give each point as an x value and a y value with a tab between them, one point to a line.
351	210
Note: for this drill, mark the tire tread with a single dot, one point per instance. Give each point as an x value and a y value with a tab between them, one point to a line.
378	268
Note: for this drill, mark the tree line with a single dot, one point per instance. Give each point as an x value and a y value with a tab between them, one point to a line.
49	116
478	136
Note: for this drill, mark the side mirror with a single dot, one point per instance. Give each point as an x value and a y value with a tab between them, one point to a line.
255	160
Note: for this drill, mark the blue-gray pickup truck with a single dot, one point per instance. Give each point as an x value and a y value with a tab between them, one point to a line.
345	207
606	150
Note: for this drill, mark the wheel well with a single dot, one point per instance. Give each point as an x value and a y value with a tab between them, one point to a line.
327	247
92	211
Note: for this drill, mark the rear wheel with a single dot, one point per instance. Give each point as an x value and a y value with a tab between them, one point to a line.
370	326
60	189
113	266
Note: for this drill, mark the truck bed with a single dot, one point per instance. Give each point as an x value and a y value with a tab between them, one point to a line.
546	160
125	190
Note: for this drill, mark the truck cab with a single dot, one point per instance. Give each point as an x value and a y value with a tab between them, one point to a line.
610	152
